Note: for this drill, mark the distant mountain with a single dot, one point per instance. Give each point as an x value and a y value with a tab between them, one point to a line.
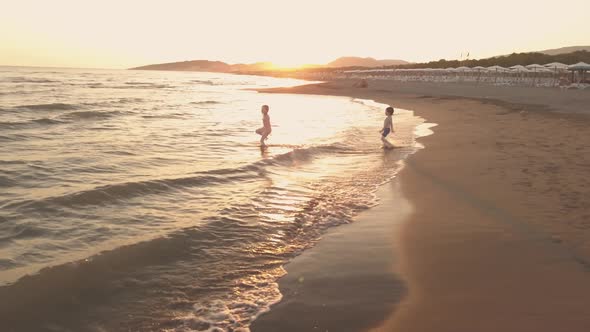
218	66
351	61
195	65
564	50
210	66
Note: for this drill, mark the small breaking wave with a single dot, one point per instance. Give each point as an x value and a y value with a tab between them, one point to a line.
139	85
206	102
203	82
21	231
28	80
7	264
50	107
6	182
85	115
27	124
128	190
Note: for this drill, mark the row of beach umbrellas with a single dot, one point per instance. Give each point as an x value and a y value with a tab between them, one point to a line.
549	67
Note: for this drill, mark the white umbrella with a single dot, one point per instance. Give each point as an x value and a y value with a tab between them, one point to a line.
497	68
543	70
556	65
519	68
480	68
579	66
464	68
582	67
534	66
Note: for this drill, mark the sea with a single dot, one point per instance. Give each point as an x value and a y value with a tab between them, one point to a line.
142	201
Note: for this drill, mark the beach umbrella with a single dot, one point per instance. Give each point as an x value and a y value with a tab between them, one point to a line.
463	68
556	65
536	68
543	70
480	68
497	68
582	66
519	68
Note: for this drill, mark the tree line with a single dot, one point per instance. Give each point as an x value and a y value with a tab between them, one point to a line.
506	61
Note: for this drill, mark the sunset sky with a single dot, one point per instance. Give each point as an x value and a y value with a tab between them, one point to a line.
120	34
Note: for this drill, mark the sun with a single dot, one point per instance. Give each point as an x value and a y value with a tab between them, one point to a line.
285	65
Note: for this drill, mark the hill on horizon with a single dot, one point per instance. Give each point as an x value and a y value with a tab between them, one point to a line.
568	55
219	66
568	49
193	65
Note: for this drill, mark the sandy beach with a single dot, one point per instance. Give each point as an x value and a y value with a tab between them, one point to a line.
498	238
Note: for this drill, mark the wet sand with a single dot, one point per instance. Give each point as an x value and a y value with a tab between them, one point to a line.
499	236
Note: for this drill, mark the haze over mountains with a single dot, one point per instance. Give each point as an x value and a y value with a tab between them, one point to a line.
343	62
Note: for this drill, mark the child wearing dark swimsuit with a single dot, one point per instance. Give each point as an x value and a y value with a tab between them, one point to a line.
387	126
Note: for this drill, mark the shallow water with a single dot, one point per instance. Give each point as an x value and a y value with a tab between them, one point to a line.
140	200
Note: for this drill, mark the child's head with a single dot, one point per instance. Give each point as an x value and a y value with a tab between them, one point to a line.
389	110
264	109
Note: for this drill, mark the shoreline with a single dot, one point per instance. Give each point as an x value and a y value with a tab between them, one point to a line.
346	281
487	240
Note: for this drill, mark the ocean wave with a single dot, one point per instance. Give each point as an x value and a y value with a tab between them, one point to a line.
6	182
22	231
25	124
4	138
128	190
196	258
305	154
132	85
6	264
130	100
166	116
51	107
12	162
203	82
205	102
85	115
28	80
139	83
221	274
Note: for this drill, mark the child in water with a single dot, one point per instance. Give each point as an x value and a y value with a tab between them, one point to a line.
387	127
266	128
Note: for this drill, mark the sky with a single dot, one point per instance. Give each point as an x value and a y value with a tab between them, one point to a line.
128	33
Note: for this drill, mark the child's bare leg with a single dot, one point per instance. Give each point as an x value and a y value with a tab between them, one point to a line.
263	138
386	143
